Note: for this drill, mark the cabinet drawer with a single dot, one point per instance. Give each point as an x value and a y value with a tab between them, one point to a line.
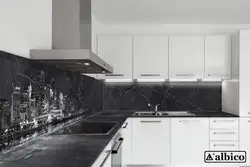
224	123
224	146
224	134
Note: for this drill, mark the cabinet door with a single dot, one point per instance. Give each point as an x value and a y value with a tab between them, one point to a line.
189	140
117	51
150	55
244	139
186	57
126	145
150	141
218	57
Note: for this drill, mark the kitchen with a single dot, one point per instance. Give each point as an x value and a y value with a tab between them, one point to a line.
155	89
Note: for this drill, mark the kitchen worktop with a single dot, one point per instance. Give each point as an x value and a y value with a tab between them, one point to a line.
73	150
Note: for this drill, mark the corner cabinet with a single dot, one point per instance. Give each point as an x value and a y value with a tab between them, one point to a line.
150	141
117	51
150	55
189	140
186	57
218	57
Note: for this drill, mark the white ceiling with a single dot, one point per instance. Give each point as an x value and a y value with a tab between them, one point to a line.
173	11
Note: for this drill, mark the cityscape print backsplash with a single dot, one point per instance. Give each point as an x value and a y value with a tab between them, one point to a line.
30	89
197	97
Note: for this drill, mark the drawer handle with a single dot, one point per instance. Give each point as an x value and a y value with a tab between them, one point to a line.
218	75
150	121
126	124
185	75
189	121
114	75
150	75
230	145
224	133
223	121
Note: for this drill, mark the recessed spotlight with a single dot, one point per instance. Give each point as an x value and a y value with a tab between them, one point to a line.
103	72
86	64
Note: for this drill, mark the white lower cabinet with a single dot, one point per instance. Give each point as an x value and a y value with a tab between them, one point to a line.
126	145
151	141
189	140
244	139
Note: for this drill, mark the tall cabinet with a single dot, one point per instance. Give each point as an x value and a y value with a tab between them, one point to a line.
150	55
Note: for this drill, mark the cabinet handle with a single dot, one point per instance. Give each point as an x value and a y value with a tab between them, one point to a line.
150	121
230	145
117	146
223	121
150	75
224	133
126	124
218	75
185	75
114	75
189	121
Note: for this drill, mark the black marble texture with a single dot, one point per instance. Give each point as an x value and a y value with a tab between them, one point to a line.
198	97
34	88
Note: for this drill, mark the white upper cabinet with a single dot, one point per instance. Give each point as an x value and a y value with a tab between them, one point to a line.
189	140
218	57
186	57
150	55
117	51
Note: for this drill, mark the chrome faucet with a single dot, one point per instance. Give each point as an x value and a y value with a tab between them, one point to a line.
154	108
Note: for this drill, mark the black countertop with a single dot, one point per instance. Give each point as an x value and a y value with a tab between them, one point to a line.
73	150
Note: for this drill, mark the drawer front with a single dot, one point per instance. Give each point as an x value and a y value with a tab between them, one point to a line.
224	146
224	134
224	123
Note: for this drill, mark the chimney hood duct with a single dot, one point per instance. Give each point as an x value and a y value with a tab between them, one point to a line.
72	39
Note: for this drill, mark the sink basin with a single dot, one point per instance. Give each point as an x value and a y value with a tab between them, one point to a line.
88	128
177	113
164	113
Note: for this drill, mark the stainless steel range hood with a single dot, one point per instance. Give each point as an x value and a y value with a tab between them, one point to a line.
72	39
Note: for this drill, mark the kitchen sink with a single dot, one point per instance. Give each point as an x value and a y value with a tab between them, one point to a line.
88	128
177	113
164	113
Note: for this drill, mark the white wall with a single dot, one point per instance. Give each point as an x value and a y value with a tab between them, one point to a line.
25	25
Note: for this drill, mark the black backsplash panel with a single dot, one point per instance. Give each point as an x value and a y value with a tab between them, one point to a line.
199	96
34	88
